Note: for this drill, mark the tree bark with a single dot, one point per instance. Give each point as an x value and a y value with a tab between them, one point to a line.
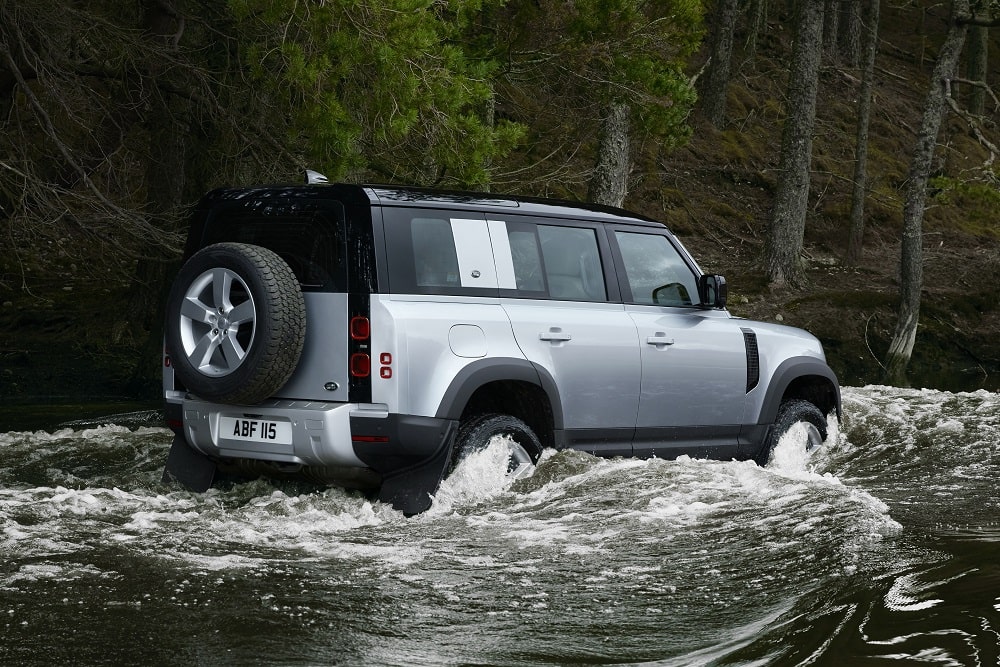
609	183
849	34
716	81
831	25
911	263
758	22
784	261
979	44
858	194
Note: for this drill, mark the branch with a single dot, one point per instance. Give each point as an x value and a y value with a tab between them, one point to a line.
967	117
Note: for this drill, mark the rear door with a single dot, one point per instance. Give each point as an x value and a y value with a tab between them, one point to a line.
310	235
694	368
556	285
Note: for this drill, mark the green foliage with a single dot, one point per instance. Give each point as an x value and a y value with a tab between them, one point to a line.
972	204
566	62
391	86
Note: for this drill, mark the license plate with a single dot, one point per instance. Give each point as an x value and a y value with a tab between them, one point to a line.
256	430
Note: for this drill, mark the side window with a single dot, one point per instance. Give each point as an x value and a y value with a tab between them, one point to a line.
572	263
438	252
527	261
435	261
549	261
657	274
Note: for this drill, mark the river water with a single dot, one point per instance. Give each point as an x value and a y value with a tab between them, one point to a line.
882	548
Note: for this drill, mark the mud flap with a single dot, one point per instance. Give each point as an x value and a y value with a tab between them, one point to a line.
192	470
411	491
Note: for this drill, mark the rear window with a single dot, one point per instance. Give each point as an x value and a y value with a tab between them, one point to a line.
309	236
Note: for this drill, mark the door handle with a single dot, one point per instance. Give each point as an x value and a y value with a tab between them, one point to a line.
659	339
554	334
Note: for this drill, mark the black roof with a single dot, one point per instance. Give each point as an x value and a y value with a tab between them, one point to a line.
394	195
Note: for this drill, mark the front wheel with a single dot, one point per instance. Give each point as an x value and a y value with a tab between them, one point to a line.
523	446
790	413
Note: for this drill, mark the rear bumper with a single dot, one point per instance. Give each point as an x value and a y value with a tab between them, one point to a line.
320	432
408	453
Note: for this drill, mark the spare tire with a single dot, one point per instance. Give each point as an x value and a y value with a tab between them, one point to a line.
236	323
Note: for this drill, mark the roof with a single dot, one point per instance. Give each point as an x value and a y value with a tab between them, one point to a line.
394	195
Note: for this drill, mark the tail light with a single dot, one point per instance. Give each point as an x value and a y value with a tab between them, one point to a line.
361	328
360	362
361	365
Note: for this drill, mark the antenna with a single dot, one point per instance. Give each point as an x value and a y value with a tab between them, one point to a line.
314	177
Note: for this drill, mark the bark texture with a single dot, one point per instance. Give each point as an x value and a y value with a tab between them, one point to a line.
979	44
716	81
911	265
609	183
859	190
784	261
849	34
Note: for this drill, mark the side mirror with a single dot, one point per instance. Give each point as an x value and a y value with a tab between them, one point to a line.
712	291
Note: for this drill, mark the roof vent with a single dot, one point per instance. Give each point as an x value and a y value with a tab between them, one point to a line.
314	177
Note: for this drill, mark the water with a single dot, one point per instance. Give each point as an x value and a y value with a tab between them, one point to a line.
881	548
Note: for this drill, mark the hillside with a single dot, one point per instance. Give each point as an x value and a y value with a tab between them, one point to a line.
716	193
66	329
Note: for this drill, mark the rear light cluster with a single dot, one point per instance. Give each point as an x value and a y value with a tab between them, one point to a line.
361	362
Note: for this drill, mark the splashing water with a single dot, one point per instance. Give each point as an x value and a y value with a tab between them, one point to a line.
880	545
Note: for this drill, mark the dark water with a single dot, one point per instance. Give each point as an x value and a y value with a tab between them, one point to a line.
883	548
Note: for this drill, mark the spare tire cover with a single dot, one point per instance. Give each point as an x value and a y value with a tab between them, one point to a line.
236	323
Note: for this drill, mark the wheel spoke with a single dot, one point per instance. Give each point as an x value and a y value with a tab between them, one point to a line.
195	310
222	285
201	355
232	351
242	313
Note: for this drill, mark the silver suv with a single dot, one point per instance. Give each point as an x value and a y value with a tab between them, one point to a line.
372	336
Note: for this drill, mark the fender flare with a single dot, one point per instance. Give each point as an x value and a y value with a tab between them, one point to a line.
787	372
484	371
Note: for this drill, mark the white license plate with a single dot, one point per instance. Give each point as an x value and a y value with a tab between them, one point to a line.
256	430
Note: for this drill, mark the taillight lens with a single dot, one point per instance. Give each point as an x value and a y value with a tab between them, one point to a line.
361	365
361	328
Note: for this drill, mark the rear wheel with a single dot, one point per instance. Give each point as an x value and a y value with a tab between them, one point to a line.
792	412
523	446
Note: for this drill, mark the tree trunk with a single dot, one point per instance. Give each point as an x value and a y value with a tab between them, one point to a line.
784	262
911	263
849	34
716	81
854	243
979	45
758	22
831	24
609	184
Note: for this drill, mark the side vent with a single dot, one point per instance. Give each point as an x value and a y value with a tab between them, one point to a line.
753	358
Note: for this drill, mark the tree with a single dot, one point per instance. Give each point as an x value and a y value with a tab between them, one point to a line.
977	67
385	86
784	250
831	27
859	189
609	183
849	32
715	82
911	249
757	19
607	68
